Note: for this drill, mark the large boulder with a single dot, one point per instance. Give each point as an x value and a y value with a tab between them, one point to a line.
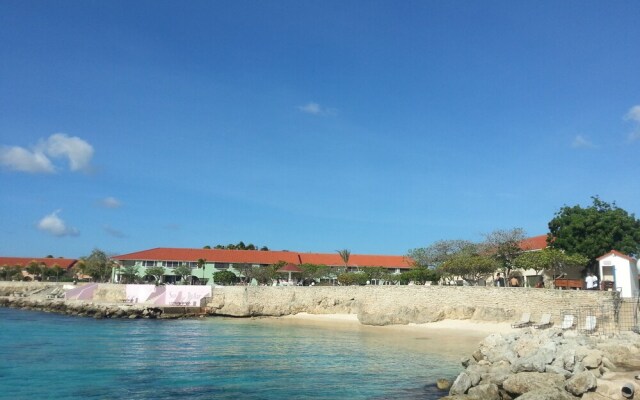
552	393
461	384
581	383
524	382
488	391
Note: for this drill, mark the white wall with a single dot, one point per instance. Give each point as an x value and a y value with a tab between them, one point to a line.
625	272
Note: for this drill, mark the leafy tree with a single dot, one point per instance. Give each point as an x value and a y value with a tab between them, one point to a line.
129	274
184	272
35	269
375	273
352	278
595	230
419	275
224	277
552	260
504	245
9	273
438	252
240	246
98	265
469	265
49	256
265	275
207	247
313	271
155	271
55	271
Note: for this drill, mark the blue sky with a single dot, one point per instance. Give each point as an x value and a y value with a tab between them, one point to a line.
376	126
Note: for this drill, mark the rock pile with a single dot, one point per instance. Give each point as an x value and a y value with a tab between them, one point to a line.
548	364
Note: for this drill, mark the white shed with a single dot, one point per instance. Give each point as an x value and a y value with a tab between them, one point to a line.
619	272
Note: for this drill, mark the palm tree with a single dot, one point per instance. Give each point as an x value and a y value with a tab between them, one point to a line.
201	264
345	254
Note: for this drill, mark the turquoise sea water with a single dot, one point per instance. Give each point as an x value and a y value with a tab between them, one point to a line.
50	356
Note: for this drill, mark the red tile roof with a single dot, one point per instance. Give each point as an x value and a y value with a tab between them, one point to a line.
534	243
617	253
65	263
263	257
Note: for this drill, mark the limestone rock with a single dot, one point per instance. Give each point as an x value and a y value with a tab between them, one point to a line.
487	391
524	382
558	370
552	393
581	383
461	384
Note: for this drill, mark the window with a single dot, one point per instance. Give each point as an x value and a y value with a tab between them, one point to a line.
148	263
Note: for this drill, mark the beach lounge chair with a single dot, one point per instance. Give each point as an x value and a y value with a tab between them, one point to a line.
589	324
567	321
524	321
545	322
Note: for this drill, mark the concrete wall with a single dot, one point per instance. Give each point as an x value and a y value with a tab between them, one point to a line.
383	305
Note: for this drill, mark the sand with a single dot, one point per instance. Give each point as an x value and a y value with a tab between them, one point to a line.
453	338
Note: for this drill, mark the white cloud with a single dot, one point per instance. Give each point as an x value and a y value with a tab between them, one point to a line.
110	202
38	160
114	232
19	159
580	142
633	114
56	226
76	150
316	109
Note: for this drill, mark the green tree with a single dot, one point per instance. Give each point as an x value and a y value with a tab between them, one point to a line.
184	272
438	252
504	246
553	260
265	275
129	274
207	247
156	272
314	271
34	268
374	273
595	230
420	275
352	278
58	271
224	277
98	265
469	265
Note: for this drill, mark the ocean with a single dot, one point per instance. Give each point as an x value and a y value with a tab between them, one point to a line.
51	356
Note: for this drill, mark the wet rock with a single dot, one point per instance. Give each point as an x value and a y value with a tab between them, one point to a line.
443	384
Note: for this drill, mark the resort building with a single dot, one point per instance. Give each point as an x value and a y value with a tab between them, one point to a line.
47	262
236	261
619	272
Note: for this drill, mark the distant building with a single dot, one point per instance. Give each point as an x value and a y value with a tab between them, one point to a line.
24	262
235	260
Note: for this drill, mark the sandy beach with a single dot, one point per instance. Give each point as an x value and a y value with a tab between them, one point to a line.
454	338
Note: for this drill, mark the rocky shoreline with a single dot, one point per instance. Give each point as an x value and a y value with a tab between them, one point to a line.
551	364
89	309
